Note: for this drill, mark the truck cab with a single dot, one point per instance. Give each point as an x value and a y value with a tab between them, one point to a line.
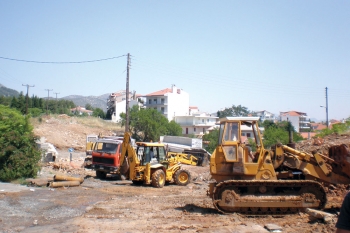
106	157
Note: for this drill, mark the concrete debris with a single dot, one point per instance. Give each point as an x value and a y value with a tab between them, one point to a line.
273	227
326	217
49	152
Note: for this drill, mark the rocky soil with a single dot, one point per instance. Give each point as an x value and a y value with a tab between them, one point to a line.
113	205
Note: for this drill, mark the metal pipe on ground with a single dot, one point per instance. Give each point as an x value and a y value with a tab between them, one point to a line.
63	184
68	178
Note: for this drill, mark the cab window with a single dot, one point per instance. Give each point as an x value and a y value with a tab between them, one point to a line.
231	132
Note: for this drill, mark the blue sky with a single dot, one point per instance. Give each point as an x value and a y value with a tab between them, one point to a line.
265	55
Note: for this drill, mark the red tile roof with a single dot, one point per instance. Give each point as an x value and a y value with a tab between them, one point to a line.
292	113
161	92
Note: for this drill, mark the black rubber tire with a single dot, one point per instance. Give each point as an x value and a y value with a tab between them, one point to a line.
158	179
182	177
101	175
137	182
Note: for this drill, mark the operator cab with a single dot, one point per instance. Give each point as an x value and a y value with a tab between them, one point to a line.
148	152
239	138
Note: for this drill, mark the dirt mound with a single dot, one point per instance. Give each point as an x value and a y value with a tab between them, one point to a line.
70	132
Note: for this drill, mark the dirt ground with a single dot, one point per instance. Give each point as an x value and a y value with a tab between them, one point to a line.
113	205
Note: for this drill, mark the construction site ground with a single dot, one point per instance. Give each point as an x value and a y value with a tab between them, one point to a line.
114	205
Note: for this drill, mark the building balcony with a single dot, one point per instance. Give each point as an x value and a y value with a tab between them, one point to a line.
155	104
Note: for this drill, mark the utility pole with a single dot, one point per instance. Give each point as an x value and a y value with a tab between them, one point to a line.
47	101
56	95
327	107
27	96
56	102
127	95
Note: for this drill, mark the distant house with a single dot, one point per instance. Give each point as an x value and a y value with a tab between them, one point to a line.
197	123
298	120
317	126
116	103
247	132
80	110
265	115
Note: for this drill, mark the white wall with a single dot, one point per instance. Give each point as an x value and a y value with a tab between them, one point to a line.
120	107
178	104
293	119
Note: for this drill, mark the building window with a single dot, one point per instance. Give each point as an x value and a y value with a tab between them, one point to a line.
162	109
155	101
149	101
194	129
207	120
162	101
243	134
248	135
202	120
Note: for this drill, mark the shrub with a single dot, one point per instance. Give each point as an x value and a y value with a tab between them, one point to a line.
19	155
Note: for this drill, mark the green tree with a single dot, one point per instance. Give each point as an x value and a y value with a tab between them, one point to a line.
89	107
148	124
234	111
211	140
279	133
174	129
19	155
99	113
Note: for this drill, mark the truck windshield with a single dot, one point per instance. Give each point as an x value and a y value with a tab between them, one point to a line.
104	147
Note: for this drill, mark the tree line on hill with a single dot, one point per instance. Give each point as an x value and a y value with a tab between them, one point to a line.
36	106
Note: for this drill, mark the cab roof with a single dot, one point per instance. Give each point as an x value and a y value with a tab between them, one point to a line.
149	144
112	141
224	119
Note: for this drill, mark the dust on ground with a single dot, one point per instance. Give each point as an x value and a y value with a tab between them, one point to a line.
113	205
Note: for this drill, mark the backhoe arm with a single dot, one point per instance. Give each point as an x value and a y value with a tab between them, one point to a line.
128	157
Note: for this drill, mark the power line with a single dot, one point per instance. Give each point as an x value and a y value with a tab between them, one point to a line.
64	62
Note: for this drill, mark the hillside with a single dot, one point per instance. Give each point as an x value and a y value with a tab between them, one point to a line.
4	91
94	101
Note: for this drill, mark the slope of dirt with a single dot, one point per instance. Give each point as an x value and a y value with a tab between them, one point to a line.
70	132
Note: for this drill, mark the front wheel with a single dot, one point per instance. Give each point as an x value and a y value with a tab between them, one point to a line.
158	179
182	177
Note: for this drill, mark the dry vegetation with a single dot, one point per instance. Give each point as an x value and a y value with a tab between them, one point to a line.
65	132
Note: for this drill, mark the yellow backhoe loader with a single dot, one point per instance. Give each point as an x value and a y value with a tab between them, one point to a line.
148	164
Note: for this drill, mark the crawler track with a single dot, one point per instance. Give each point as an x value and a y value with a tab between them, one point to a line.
268	197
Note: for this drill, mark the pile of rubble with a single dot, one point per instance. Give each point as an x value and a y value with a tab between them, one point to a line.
322	145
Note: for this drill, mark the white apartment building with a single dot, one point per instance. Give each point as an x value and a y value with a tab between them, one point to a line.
298	120
265	115
197	123
170	102
116	104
